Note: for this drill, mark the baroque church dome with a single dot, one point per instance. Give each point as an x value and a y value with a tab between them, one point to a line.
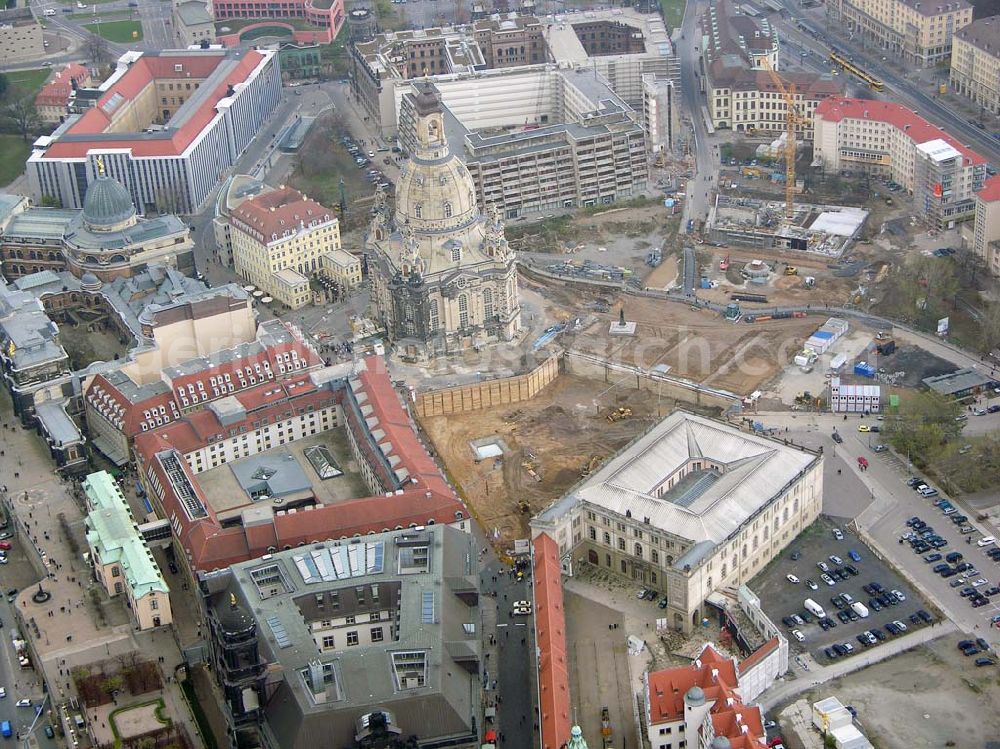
435	192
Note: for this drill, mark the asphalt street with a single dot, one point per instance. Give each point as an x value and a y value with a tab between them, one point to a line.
897	86
511	673
700	185
18	573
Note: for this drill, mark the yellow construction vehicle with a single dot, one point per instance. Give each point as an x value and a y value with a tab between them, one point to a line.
622	412
589	466
791	270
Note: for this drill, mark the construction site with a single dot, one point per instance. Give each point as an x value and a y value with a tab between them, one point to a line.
533	462
825	230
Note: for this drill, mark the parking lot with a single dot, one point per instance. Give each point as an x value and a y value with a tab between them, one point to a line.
782	598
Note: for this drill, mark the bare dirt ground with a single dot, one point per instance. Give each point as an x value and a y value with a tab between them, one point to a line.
554	434
696	344
780	290
932	696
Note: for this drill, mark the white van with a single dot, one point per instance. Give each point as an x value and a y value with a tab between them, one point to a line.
814	608
860	609
50	12
986	541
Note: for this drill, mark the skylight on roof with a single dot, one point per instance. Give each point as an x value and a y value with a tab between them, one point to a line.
113	102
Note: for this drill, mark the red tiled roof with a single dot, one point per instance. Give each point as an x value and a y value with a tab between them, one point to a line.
364	515
246	375
991	189
56	92
758	655
278	212
263	403
426	497
715	674
144	72
550	623
916	127
668	687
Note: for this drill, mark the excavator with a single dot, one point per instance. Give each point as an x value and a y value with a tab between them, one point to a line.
622	412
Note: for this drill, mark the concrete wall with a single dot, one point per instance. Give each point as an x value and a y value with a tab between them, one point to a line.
665	386
488	394
759	677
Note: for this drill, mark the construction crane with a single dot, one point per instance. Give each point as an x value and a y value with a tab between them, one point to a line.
792	119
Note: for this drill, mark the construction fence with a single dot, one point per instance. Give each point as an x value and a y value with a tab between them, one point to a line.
498	392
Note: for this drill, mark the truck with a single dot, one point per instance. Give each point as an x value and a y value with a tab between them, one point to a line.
860	609
814	608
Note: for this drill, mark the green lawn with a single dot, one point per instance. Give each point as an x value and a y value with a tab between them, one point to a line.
28	81
116	31
673	12
13	153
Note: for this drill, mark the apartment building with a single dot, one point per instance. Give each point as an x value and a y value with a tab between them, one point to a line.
119	556
986	232
886	139
747	100
975	63
123	404
677	510
257	471
540	138
619	45
279	239
920	32
661	113
731	33
398	56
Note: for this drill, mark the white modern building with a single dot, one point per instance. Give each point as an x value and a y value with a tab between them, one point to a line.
692	506
166	125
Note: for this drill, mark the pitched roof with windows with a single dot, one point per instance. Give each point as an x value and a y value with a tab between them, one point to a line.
279	353
416	492
713	678
115	537
278	214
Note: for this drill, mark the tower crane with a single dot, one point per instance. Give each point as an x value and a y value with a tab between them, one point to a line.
792	118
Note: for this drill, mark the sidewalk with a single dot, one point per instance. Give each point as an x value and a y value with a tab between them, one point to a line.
782	692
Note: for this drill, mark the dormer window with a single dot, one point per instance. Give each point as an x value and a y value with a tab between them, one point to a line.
447	210
418	210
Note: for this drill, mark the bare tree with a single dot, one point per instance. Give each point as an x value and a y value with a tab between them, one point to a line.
95	48
20	110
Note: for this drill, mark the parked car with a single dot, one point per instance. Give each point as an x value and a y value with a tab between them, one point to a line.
855	557
838	534
836	560
791	578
